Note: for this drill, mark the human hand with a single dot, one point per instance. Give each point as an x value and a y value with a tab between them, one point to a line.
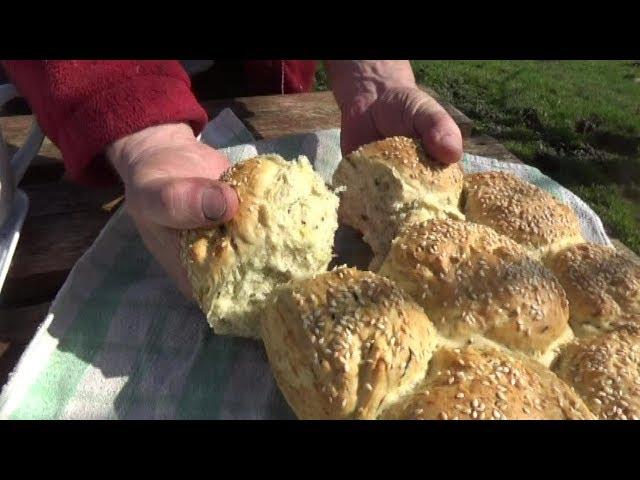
380	99
171	183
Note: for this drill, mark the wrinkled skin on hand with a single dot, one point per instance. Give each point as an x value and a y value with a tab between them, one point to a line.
171	183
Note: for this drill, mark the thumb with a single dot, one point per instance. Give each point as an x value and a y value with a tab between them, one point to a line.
438	131
187	202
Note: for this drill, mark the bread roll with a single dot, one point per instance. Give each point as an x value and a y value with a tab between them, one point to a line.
602	286
605	371
284	230
521	211
387	182
487	384
345	344
471	280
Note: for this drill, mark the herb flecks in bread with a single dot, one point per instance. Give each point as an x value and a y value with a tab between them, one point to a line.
345	343
284	230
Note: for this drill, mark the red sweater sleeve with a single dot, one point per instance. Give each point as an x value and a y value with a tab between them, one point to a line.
83	106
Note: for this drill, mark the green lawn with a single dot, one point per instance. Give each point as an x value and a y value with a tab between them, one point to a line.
578	121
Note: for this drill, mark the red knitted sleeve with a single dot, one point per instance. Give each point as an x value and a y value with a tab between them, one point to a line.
83	106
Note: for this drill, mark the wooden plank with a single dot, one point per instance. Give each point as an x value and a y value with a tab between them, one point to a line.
56	242
487	146
47	166
269	115
9	359
15	130
63	221
38	174
17	328
49	246
67	197
272	116
34	289
18	325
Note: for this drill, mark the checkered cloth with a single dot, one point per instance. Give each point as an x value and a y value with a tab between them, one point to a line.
120	342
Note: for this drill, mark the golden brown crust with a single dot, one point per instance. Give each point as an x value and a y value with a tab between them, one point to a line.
487	384
409	158
345	343
521	211
602	285
283	229
605	371
387	182
471	280
249	180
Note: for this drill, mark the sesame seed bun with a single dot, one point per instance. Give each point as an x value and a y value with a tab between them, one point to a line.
346	343
390	181
605	371
471	383
471	280
521	211
602	286
284	229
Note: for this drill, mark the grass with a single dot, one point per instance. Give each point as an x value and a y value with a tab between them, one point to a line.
577	121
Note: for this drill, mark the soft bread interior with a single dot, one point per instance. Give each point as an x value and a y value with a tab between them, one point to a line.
285	231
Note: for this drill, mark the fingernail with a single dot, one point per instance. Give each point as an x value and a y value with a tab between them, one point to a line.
214	203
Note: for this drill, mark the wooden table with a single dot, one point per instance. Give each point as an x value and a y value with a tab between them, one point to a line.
64	219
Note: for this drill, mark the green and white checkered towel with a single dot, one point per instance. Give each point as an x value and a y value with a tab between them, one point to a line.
120	342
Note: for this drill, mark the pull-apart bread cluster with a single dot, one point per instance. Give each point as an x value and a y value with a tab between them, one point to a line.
484	300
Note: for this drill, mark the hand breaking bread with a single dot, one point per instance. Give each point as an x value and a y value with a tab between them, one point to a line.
391	182
284	229
488	302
